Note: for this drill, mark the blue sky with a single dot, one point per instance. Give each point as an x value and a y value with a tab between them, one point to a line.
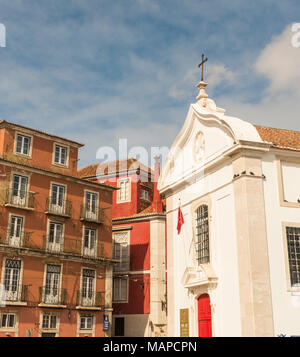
98	70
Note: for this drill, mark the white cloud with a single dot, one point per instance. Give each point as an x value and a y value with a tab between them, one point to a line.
279	62
279	104
217	75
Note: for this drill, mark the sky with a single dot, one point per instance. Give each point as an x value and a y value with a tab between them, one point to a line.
96	71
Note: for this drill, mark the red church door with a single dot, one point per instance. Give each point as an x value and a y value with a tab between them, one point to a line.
204	316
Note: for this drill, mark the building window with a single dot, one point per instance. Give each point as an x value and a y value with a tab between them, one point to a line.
86	322
145	195
8	320
293	245
202	235
15	231
91	205
52	284
57	198
121	251
19	190
60	155
49	321
88	287
119	326
55	237
120	289
124	192
12	279
23	145
89	242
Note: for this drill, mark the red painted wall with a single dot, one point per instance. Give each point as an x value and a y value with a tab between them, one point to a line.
136	204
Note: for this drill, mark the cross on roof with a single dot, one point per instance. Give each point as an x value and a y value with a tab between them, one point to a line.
202	65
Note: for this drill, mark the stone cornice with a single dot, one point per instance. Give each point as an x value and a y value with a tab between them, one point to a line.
56	174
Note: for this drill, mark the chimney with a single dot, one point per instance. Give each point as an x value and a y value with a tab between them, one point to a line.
156	203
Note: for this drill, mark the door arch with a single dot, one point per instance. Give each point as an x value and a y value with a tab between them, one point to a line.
204	316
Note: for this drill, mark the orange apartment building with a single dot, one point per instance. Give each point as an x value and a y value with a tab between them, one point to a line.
55	239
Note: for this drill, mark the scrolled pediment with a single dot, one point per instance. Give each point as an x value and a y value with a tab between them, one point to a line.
198	276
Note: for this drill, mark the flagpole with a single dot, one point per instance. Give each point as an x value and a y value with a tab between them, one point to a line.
182	231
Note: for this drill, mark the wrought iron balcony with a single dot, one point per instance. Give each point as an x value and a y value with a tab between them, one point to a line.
64	208
19	198
14	293
122	265
53	244
53	295
17	238
89	298
89	214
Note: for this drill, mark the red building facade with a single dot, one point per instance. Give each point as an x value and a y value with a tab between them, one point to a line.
139	279
55	239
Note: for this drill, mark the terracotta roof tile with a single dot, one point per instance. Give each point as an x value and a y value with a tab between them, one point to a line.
90	171
282	138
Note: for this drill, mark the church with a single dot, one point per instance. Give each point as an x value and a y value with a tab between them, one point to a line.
233	226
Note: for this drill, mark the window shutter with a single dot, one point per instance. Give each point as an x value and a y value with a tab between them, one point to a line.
123	289
116	289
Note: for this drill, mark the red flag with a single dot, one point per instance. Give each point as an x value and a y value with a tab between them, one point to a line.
180	220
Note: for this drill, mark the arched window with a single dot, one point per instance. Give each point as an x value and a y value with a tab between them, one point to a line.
202	235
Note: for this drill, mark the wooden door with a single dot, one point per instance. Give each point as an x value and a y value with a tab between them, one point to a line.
204	316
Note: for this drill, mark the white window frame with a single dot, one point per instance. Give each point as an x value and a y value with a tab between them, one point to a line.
29	155
85	331
96	241
19	292
86	317
145	196
52	183
119	199
11	215
13	174
127	247
94	285
66	164
286	225
49	329
97	203
16	325
62	234
59	283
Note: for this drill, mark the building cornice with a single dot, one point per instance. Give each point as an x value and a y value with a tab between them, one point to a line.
56	174
139	217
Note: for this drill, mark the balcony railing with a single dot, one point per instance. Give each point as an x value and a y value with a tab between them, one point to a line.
62	209
51	245
19	198
122	265
89	252
52	295
89	298
14	239
13	293
89	214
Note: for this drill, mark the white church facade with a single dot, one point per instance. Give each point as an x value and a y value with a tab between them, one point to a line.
234	268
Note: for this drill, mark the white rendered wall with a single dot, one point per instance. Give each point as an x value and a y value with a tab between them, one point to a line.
286	305
226	317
